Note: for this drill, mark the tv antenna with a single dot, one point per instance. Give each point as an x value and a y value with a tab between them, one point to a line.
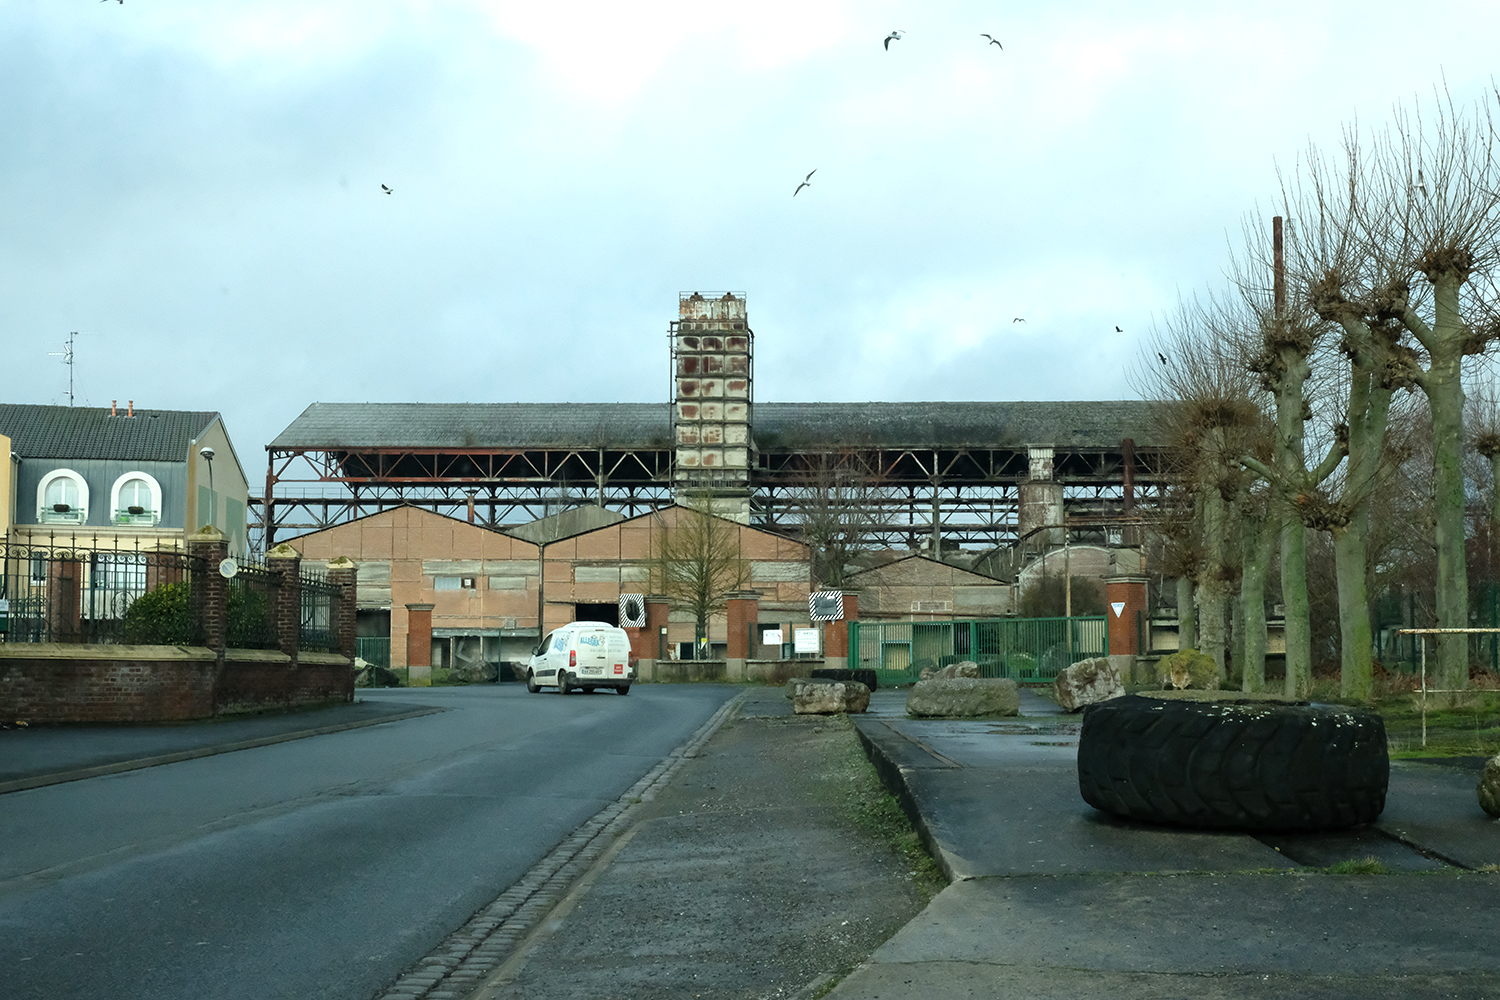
67	355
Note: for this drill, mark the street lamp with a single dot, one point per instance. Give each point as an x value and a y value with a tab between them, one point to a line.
213	499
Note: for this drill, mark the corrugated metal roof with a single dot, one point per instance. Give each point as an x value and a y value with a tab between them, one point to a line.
338	426
77	432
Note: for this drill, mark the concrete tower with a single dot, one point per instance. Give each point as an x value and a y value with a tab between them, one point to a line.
712	373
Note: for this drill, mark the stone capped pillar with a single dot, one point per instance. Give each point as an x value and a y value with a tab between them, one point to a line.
657	609
743	611
342	573
286	615
210	590
836	635
1125	600
419	645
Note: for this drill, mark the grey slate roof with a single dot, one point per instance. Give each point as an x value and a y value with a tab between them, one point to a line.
80	432
337	426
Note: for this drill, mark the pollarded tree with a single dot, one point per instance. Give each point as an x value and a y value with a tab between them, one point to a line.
834	504
1408	227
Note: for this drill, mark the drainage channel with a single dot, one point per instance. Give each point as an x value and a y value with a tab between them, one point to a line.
456	967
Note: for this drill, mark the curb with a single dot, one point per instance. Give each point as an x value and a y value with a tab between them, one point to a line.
118	767
471	957
897	780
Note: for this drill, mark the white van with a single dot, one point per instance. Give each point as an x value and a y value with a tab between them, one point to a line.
584	655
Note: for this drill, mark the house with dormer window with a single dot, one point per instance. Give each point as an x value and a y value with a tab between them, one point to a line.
118	477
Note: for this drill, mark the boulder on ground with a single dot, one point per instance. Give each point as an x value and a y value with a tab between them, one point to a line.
963	697
810	697
1086	682
1489	787
964	668
471	672
1188	668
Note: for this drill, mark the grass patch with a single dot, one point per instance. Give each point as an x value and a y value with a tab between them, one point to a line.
1359	866
1466	725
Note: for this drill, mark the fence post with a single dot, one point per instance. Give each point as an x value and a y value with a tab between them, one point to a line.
209	588
286	563
344	574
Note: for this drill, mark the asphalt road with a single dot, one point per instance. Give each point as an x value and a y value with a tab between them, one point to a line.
321	867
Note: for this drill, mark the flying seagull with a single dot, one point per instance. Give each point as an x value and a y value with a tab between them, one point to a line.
806	183
384	187
894	36
993	40
1118	330
1163	357
1018	320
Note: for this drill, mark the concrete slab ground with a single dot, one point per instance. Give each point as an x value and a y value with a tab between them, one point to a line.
34	756
1054	899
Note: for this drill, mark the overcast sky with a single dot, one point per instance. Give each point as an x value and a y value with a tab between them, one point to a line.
195	187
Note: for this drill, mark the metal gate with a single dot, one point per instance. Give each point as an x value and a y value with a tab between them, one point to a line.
1024	649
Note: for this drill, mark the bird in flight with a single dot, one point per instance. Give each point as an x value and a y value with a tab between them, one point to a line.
1163	357
993	40
1018	320
1118	330
807	182
894	36
387	189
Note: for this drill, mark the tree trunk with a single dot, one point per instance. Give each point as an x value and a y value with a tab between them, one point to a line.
1356	680
1260	536
1445	396
1213	589
1187	615
1292	465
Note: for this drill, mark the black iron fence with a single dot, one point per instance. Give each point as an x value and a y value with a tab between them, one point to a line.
65	590
249	615
319	597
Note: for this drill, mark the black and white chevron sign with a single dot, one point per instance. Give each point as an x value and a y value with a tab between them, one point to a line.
632	610
825	605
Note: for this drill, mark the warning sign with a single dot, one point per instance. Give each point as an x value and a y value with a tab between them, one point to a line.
1119	607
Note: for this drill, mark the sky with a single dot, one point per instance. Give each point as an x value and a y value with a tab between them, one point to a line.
195	187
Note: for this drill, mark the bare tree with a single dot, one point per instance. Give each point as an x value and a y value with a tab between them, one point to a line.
1399	237
834	505
696	564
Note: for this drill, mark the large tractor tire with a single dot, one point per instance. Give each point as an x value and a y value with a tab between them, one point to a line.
1238	765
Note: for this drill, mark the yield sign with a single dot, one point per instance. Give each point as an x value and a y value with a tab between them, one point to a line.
1119	607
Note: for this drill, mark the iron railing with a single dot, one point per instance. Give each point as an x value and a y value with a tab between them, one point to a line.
319	597
66	590
249	618
1024	649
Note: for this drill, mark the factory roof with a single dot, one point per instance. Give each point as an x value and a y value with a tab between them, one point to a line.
463	426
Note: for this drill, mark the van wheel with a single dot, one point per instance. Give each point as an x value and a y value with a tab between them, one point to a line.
563	687
531	684
623	689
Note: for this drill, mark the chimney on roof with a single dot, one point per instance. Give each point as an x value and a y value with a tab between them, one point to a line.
131	411
112	404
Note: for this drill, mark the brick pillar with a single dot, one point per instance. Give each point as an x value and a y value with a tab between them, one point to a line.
657	609
210	589
344	574
836	635
286	614
419	645
65	597
744	612
1126	596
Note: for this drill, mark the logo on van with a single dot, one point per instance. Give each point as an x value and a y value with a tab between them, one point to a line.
591	639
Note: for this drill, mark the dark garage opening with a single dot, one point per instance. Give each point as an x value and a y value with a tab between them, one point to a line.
609	614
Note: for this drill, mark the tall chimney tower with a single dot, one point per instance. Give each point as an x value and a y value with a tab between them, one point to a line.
712	373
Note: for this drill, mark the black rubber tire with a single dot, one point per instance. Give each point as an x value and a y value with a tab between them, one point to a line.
531	684
563	687
865	677
623	689
588	690
1235	765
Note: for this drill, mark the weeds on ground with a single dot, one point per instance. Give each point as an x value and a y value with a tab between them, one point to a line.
1458	725
1360	866
876	811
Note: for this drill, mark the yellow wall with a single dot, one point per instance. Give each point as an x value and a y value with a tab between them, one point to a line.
7	487
229	483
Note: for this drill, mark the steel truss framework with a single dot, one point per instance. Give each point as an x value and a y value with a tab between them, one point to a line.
973	493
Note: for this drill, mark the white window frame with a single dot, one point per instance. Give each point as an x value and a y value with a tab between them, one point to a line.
44	512
119	515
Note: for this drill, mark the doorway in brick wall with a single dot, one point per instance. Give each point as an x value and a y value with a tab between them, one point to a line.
609	614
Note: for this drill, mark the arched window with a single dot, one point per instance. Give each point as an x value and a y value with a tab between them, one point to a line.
62	497
136	499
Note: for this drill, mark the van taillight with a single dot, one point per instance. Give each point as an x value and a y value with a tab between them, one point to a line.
572	657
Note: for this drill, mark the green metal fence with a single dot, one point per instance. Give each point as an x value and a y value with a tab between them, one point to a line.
1024	649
